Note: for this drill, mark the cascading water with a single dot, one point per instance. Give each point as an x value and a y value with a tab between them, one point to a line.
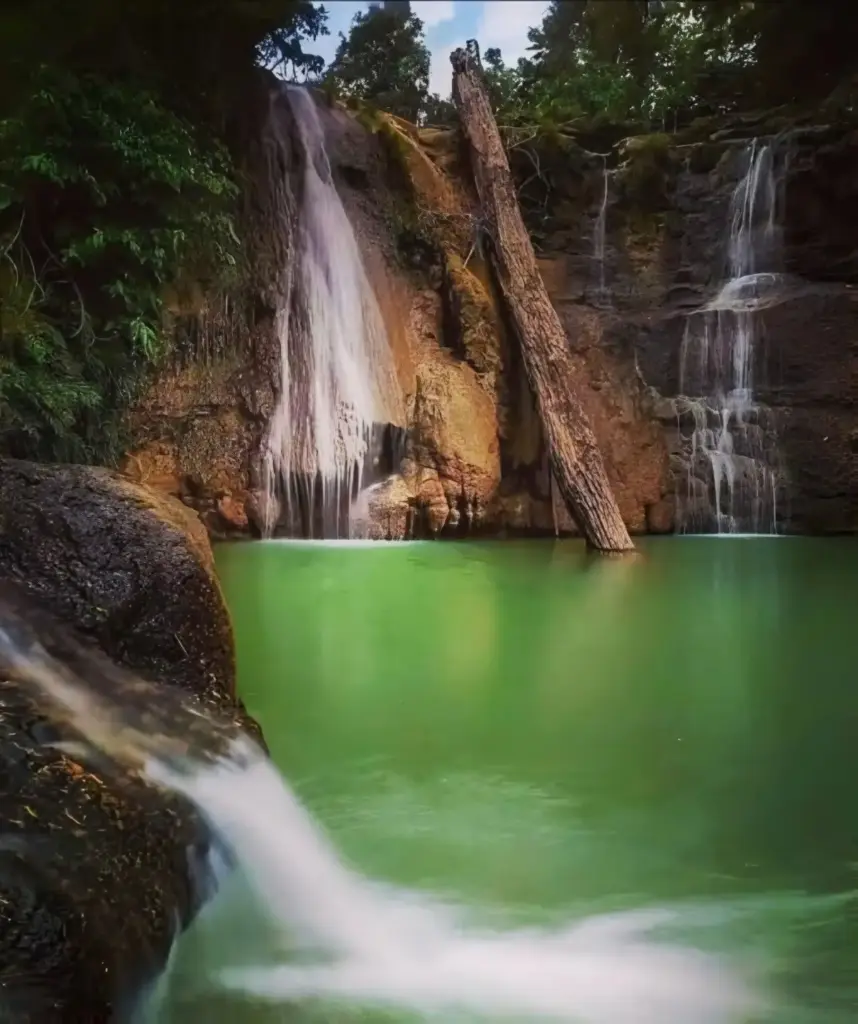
731	456
358	942
338	385
599	229
378	946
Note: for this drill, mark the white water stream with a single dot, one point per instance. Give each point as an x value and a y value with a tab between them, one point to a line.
379	946
337	375
364	944
599	236
732	445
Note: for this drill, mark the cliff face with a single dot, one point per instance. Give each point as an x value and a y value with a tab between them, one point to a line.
473	459
199	430
804	357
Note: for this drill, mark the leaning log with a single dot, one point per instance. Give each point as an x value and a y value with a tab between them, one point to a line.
575	457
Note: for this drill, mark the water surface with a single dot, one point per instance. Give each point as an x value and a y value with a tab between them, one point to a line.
540	735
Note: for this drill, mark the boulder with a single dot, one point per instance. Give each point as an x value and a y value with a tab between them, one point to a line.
98	871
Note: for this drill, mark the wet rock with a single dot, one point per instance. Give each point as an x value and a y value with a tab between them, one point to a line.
197	431
198	435
233	510
97	870
523	513
454	441
387	512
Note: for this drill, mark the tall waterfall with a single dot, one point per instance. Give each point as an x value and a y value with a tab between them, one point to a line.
356	941
338	384
599	230
731	454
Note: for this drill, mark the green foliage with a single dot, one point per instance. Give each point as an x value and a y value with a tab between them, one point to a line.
659	62
114	188
439	113
194	53
628	61
384	60
42	389
282	52
504	84
106	197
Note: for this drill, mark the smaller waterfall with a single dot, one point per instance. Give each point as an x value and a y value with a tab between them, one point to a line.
731	457
599	237
338	385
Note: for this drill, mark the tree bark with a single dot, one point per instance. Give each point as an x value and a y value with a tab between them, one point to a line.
572	448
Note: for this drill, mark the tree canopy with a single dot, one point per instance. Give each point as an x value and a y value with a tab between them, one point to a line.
383	60
182	47
658	60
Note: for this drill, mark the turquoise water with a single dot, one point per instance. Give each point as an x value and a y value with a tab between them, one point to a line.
531	731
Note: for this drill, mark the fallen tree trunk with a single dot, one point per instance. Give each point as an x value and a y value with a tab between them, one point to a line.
575	457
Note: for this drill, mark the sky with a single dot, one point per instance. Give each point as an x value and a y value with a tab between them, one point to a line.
449	24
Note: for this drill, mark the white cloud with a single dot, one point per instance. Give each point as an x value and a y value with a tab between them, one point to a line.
502	23
441	71
433	12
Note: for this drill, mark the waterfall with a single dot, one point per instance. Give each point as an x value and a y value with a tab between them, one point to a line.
357	941
337	387
730	444
599	236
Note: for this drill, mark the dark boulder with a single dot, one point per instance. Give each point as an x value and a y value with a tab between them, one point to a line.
98	871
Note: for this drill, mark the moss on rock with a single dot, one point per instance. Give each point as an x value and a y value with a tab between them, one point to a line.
476	321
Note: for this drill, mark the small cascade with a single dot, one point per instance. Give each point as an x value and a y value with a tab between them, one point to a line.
730	442
338	388
599	237
353	940
361	943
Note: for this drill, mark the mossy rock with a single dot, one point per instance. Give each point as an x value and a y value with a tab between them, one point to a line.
97	870
474	318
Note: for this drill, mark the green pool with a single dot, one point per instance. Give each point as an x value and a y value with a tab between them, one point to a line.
521	727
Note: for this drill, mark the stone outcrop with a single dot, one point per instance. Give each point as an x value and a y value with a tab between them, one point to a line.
475	458
198	431
665	266
97	870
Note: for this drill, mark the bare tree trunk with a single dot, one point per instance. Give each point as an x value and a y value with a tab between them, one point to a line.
575	457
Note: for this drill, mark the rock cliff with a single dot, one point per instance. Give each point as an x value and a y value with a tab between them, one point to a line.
805	356
473	458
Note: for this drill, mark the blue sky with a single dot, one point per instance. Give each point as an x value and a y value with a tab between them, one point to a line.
448	24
